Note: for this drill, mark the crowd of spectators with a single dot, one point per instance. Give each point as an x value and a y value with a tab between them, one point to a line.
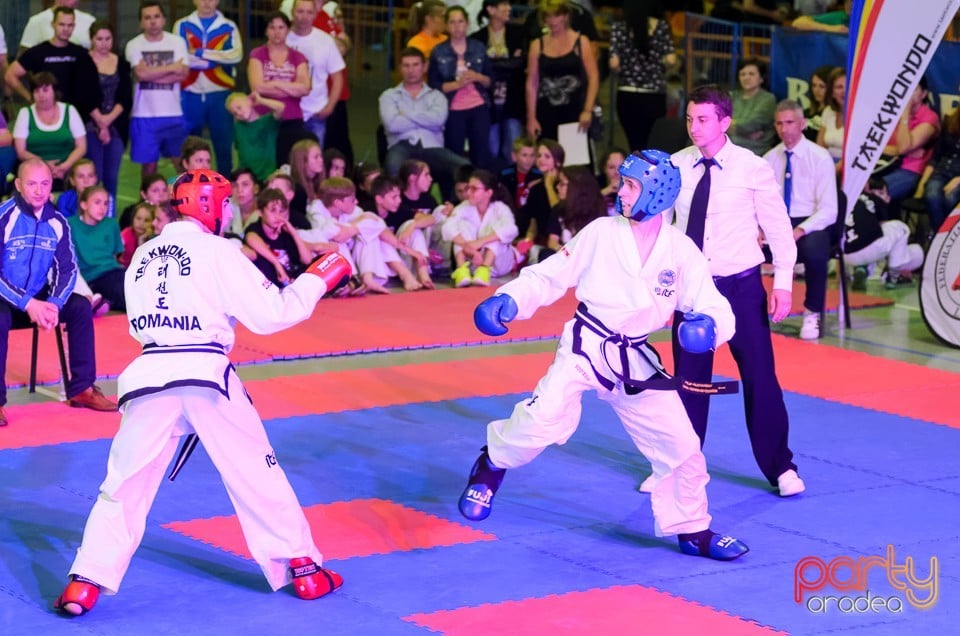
479	107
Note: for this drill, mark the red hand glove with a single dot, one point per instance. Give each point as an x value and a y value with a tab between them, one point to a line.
333	268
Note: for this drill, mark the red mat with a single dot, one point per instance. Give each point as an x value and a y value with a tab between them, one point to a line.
398	321
820	371
601	611
347	529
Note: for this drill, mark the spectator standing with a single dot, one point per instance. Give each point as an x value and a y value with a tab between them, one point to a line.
459	68
562	75
641	51
38	283
279	72
40	26
159	62
215	49
8	154
109	124
581	21
413	116
504	44
807	179
324	60
69	63
330	21
3	56
427	21
732	205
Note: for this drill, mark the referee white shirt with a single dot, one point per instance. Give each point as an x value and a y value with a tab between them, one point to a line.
813	195
744	198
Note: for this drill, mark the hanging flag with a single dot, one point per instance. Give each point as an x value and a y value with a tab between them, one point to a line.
891	44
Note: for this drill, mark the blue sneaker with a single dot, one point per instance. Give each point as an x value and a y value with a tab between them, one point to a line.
477	498
712	545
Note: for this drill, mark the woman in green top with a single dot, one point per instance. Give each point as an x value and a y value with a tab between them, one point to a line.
49	130
753	109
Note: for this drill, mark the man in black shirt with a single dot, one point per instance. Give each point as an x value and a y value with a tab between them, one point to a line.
77	79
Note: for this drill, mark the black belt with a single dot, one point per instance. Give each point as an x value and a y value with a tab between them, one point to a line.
204	347
747	272
659	381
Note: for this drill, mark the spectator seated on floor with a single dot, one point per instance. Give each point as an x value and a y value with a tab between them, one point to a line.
413	247
873	236
281	253
153	190
98	246
81	176
518	176
482	230
139	232
375	247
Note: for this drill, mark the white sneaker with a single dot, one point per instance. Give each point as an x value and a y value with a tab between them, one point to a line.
647	485
790	484
810	330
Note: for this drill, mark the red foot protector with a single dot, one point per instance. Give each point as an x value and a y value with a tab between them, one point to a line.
614	610
78	598
347	529
311	581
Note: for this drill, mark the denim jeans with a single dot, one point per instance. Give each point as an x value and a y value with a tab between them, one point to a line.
209	109
502	135
105	157
939	205
901	183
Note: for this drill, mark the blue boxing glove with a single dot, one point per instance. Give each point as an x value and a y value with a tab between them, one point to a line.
490	315
697	333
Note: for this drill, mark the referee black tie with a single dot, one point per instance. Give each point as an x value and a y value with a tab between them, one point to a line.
698	205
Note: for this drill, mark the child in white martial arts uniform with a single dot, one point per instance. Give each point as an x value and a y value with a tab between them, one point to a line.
630	273
185	291
376	250
482	230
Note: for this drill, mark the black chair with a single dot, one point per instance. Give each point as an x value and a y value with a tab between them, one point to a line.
58	332
836	251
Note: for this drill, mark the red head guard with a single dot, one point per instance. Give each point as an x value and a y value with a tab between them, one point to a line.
201	194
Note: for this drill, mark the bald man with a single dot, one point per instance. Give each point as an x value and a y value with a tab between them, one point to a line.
38	269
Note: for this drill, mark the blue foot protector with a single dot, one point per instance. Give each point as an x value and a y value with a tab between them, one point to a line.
708	543
477	498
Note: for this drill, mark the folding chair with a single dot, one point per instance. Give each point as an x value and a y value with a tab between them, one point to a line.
58	332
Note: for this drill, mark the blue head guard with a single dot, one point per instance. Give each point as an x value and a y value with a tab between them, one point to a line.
659	180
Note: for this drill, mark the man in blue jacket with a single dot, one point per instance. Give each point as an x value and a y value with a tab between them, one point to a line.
38	269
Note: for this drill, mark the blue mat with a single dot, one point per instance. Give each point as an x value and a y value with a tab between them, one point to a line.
570	521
